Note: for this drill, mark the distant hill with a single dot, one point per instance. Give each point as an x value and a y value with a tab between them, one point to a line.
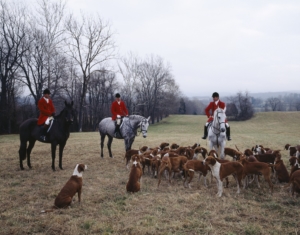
261	95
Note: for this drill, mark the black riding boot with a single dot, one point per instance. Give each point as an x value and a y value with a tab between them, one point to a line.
43	132
205	132
228	133
117	131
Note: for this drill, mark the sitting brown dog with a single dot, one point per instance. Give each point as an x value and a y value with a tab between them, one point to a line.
133	185
73	186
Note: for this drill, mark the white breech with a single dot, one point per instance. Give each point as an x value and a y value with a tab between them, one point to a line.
47	122
118	121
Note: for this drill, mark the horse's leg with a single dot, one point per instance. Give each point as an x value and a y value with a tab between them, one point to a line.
22	153
61	149
30	147
53	151
102	144
222	145
110	140
130	143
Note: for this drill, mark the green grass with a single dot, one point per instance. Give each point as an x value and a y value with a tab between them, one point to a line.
107	209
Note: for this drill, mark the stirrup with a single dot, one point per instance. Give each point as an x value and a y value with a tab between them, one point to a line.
43	138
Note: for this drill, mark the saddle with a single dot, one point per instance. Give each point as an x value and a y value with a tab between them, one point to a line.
44	130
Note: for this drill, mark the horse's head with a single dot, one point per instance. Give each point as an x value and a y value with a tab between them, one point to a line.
69	112
144	126
219	118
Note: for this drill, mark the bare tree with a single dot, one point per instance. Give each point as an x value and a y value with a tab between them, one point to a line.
49	16
100	95
243	104
154	76
90	45
13	34
129	70
274	103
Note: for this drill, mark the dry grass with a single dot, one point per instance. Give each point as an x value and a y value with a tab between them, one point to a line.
107	209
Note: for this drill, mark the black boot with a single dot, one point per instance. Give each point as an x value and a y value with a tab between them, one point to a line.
43	132
228	133
117	131
205	133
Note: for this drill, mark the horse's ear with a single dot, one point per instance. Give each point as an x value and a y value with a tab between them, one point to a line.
148	118
72	103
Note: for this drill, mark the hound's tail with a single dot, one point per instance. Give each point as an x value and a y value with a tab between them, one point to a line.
49	210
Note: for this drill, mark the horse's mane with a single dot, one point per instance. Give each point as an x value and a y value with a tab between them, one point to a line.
218	109
135	116
61	112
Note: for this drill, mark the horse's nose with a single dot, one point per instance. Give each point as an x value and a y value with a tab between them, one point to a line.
223	129
145	135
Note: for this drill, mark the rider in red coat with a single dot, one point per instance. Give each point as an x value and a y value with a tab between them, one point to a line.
209	111
47	111
118	110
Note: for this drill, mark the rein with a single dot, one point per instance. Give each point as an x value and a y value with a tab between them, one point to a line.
134	130
218	129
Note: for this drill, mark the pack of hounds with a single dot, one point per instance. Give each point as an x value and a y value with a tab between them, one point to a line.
246	167
173	159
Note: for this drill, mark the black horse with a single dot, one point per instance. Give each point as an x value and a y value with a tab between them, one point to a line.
58	135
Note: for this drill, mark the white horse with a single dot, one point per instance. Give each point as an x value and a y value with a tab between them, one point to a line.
217	132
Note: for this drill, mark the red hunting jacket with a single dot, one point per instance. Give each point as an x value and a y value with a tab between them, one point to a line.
46	109
118	109
210	109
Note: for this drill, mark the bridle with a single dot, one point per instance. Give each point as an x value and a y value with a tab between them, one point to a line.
144	131
141	127
215	128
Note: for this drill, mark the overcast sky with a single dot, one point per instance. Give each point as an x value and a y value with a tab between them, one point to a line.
224	46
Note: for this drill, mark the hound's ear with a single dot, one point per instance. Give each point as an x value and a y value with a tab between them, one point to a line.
148	118
80	168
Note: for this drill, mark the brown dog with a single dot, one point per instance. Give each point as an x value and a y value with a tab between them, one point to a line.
73	186
295	181
195	165
133	185
221	171
281	171
255	168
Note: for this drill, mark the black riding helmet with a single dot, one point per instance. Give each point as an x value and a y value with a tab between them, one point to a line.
117	95
215	94
46	91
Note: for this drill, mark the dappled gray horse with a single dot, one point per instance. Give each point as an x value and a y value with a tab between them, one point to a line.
217	132
128	129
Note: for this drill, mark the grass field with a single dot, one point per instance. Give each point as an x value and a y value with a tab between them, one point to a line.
107	209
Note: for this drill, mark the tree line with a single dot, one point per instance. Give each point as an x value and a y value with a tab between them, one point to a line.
74	57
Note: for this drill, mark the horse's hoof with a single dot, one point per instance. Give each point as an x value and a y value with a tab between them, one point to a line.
22	168
61	168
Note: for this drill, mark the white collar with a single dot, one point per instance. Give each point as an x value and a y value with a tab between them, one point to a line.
47	100
216	102
119	102
75	172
